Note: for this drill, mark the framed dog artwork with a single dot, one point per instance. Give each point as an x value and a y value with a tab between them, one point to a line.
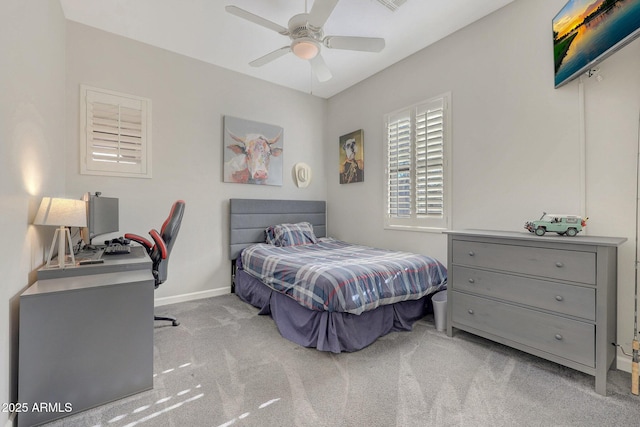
352	157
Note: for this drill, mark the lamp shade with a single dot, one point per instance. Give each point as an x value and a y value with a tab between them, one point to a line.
61	212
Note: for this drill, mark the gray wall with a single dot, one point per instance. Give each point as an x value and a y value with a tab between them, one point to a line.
32	160
516	139
189	100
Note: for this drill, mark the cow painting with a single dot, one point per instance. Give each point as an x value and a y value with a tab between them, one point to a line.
253	157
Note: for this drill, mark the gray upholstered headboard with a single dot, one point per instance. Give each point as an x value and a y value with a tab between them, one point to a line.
249	218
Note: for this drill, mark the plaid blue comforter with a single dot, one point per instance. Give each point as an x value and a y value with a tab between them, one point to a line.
336	276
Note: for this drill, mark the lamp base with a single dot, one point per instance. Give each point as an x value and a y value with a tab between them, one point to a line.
63	235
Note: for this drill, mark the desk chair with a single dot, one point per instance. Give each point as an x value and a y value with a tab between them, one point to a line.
161	248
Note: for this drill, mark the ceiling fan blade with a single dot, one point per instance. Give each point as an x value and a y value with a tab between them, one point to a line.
320	68
364	44
320	12
270	57
234	10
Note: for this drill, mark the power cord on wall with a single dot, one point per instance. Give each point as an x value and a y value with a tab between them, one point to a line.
635	344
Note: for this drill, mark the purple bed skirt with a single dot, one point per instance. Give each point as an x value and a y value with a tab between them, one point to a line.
328	331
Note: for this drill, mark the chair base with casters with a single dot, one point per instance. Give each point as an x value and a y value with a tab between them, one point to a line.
160	248
171	319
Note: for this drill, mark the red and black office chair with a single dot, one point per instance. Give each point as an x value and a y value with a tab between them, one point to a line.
161	248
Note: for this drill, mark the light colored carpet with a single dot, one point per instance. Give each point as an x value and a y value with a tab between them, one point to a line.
225	365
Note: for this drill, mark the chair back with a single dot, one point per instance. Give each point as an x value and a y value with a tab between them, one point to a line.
168	232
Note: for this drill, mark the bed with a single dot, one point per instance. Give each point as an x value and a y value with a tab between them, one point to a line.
325	293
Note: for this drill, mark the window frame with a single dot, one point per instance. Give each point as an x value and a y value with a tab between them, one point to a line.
92	165
414	221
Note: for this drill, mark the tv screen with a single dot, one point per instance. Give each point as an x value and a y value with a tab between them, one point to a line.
587	31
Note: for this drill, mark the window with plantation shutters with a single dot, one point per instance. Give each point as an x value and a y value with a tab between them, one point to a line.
399	165
115	134
417	166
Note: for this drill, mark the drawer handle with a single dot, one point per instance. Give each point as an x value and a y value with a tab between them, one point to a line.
471	253
470	311
559	337
559	264
559	298
472	281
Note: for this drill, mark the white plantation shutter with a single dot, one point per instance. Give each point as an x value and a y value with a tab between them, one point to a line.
116	134
417	166
430	159
399	154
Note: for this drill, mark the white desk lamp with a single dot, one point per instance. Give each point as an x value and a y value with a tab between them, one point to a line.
61	213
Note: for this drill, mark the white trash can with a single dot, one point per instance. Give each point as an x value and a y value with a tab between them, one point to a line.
440	310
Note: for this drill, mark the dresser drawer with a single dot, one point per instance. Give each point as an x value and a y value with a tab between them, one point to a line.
562	298
570	339
560	264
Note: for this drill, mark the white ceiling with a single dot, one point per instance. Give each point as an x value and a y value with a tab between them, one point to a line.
202	29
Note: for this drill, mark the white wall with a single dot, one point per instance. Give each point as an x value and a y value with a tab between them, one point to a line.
190	99
516	139
32	133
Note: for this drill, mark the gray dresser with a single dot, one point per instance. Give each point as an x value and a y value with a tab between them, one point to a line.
551	296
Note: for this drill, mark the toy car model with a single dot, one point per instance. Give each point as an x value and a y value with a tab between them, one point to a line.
561	224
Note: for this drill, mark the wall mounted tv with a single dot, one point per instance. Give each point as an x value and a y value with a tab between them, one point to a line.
587	31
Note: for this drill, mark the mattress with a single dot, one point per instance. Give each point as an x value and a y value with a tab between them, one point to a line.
336	276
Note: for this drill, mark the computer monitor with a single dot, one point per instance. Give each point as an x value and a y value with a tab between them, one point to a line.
102	216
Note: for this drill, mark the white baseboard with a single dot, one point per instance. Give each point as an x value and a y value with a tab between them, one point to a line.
191	296
623	363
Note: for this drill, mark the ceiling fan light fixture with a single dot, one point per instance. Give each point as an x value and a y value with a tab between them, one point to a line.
305	48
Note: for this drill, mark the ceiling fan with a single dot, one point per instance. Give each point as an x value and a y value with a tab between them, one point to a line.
306	34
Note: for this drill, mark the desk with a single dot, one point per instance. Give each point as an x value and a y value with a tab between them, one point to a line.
86	337
136	260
